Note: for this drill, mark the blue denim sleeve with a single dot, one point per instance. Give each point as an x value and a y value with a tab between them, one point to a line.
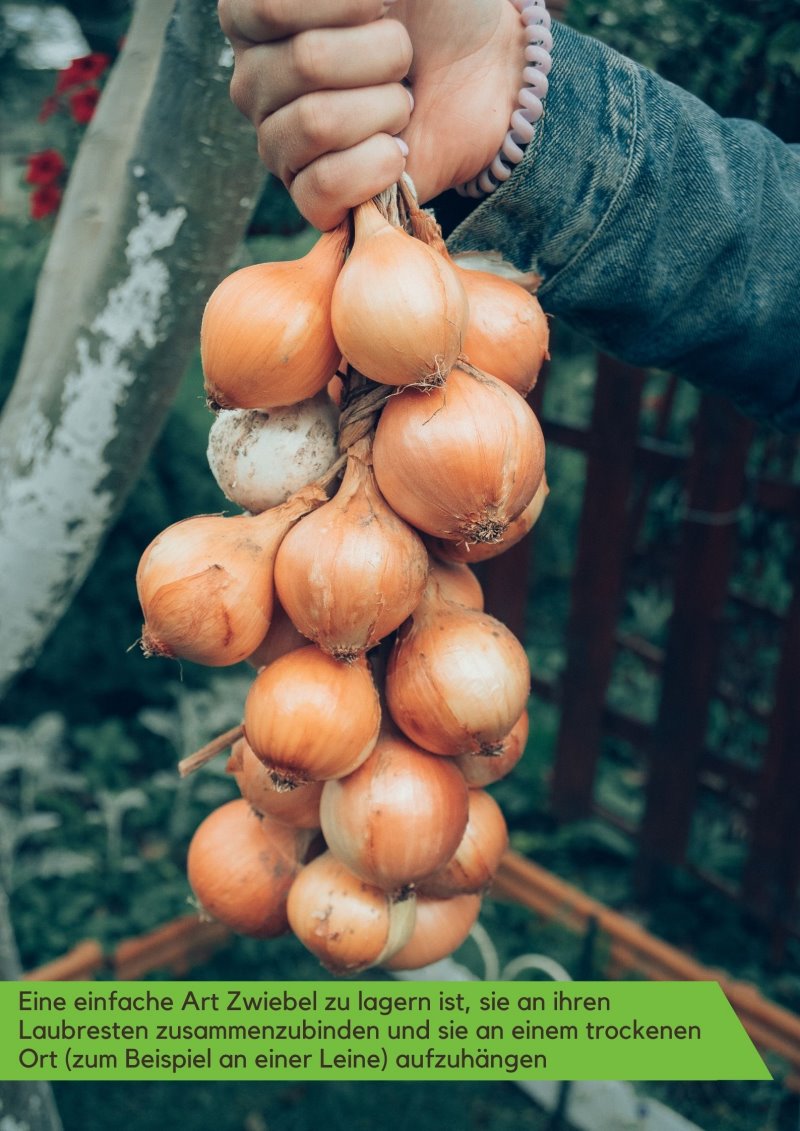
668	235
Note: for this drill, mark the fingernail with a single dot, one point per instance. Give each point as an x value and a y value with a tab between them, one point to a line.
401	145
387	5
410	96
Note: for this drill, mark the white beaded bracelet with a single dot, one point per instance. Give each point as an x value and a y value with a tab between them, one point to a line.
538	45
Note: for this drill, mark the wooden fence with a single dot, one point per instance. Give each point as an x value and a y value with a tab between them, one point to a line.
722	484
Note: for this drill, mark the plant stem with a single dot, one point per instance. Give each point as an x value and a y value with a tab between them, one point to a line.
194	761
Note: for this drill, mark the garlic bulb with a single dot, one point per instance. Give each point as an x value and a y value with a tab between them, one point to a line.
259	459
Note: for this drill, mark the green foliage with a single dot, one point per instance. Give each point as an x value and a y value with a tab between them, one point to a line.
740	58
95	821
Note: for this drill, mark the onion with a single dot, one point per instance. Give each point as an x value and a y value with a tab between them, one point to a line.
461	462
398	817
441	927
205	584
282	637
241	866
297	807
347	924
457	679
482	769
259	459
508	333
310	718
399	311
458	583
462	552
266	337
477	858
354	572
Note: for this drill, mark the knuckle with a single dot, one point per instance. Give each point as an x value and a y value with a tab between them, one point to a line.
308	57
323	182
314	122
241	91
225	18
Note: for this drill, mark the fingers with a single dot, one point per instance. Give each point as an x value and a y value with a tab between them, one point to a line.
330	121
327	188
270	76
262	21
321	83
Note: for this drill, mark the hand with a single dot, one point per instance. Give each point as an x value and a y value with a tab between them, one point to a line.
323	88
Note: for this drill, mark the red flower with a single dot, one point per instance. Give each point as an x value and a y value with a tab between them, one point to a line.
44	168
86	69
83	103
44	201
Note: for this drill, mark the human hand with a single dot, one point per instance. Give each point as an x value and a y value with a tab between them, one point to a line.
323	89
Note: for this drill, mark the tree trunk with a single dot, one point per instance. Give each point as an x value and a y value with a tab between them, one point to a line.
25	1105
157	202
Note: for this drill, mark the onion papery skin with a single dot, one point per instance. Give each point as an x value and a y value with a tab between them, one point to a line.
458	583
310	718
206	584
477	858
398	814
442	925
266	337
457	680
259	459
348	924
462	462
296	807
481	552
282	637
399	309
508	333
241	867
353	573
480	770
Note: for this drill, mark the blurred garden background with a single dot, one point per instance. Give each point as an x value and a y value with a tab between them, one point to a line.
94	820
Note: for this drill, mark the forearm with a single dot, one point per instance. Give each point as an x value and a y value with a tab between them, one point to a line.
668	235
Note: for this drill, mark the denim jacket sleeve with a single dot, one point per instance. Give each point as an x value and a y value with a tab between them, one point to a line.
668	235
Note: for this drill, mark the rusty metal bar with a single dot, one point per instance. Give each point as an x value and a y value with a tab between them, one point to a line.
597	584
634	950
631	950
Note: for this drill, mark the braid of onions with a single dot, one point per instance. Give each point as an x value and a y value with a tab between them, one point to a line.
385	701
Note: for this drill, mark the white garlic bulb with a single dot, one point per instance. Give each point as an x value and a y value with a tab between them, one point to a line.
259	459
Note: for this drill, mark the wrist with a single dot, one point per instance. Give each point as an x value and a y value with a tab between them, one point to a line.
531	67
